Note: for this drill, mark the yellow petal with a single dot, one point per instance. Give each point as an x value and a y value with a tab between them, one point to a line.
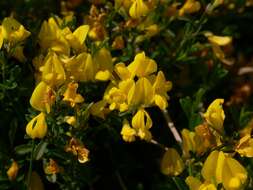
81	32
13	171
37	127
1	37
141	120
161	102
122	71
103	75
128	133
234	175
215	115
220	40
141	93
138	9
193	183
172	164
213	167
188	142
142	66
42	97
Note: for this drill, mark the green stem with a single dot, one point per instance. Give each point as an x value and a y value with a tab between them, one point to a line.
30	165
121	182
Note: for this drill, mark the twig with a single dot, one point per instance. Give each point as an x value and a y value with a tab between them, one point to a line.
172	127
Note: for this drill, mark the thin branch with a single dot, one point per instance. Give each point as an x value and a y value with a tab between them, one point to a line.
172	127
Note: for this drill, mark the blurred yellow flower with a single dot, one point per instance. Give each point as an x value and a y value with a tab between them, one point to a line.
71	96
138	9
71	120
190	6
51	167
37	127
217	42
13	31
13	171
215	115
196	184
1	37
171	163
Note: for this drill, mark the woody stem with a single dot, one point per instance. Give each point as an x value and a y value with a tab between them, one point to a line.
172	127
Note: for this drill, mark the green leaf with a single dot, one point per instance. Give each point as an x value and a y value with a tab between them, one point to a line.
40	149
191	108
23	149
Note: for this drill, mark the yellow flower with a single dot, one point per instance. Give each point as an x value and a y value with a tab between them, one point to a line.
172	164
80	67
118	43
117	96
51	37
128	133
141	93
245	146
217	42
204	138
161	87
13	31
77	38
71	96
71	120
141	120
42	97
195	184
76	148
215	115
52	167
138	9
53	72
37	127
190	6
142	66
103	60
223	169
13	171
122	71
1	37
189	144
